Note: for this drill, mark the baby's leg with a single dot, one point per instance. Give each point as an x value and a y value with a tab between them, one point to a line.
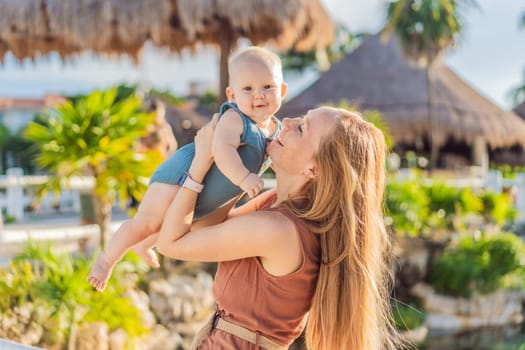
144	249
146	222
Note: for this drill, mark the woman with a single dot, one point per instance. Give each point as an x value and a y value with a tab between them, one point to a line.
316	245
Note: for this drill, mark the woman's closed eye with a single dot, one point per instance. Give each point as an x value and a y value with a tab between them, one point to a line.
300	125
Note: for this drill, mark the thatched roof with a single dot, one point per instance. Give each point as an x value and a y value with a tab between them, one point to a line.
520	110
30	28
377	76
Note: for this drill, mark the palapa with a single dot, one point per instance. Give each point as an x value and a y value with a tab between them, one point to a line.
377	76
31	28
37	27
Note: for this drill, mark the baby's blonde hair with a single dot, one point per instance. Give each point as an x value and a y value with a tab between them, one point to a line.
256	54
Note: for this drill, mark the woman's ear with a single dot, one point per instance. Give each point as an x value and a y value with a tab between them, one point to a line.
311	172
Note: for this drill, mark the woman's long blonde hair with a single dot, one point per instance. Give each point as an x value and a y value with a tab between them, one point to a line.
344	205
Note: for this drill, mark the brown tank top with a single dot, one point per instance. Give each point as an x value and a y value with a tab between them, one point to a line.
277	307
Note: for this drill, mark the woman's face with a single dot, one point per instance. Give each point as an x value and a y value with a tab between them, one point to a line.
295	149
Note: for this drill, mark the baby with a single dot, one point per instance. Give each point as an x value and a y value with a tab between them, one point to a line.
255	92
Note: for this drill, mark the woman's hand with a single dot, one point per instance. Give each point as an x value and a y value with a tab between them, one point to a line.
203	141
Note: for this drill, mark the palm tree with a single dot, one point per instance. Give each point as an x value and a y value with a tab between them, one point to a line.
426	29
5	135
321	59
94	136
518	93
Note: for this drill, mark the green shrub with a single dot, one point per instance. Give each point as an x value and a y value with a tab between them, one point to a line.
468	202
209	99
443	202
418	209
407	206
442	197
168	97
498	208
481	265
57	282
407	317
509	171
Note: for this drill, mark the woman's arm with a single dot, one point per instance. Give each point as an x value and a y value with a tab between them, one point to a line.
253	204
265	234
269	235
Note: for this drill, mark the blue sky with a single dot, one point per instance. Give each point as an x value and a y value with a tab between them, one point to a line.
490	56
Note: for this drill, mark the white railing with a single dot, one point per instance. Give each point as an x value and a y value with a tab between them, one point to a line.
18	193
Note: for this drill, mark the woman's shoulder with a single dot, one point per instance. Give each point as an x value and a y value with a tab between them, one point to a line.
273	219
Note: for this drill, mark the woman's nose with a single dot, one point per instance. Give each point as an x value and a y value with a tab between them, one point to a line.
289	121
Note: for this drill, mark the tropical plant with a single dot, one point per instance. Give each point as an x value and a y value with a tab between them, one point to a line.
480	265
20	152
208	99
427	28
320	60
95	137
518	92
5	134
416	208
123	92
55	285
407	208
498	207
406	316
167	96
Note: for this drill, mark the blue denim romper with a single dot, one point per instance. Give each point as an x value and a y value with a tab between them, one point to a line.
218	189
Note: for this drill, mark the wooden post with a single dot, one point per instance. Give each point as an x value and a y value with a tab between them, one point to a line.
480	157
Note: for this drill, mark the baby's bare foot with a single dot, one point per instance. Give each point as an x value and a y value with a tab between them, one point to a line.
148	255
100	273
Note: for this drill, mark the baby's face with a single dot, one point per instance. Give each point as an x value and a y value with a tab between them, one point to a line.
257	89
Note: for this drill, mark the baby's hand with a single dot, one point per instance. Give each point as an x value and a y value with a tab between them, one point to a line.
252	184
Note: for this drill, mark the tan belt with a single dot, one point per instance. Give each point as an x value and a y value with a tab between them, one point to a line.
246	334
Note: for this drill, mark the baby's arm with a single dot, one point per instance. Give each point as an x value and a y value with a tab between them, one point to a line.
226	141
